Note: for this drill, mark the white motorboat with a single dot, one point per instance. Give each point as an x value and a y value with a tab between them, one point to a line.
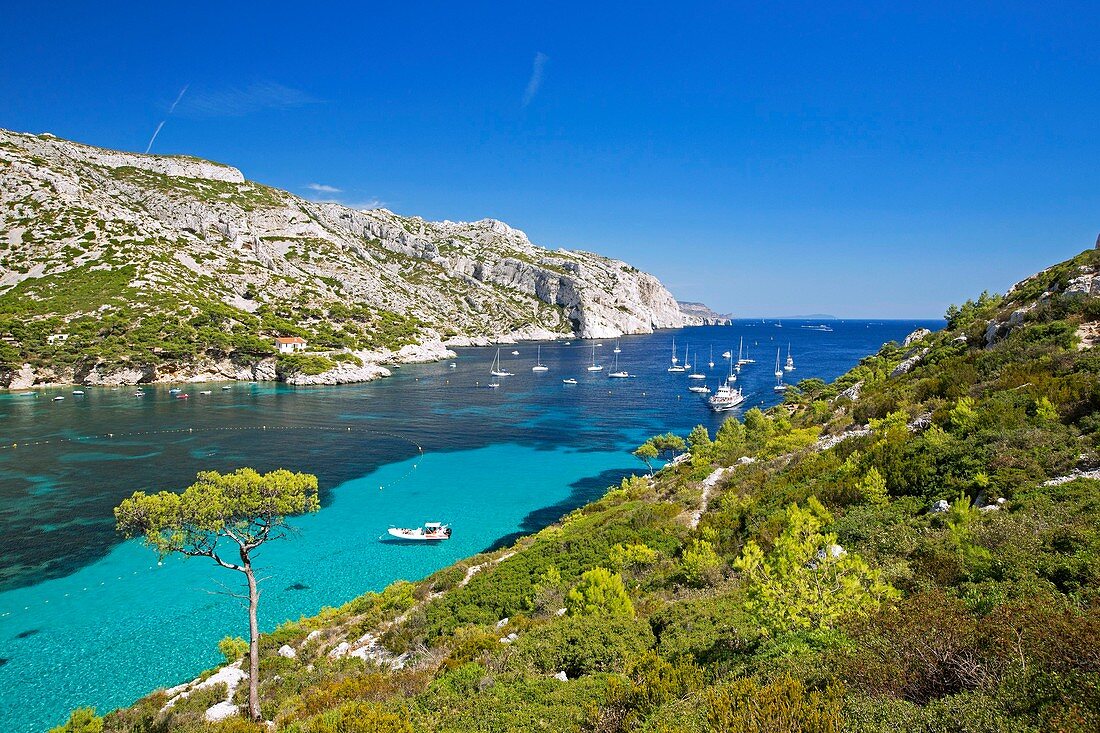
431	531
570	380
515	353
204	391
58	398
175	390
699	389
539	366
496	369
726	397
78	391
226	388
595	367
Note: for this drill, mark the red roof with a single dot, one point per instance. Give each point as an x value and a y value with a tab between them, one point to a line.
290	340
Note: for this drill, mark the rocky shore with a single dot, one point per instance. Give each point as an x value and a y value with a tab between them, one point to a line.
227	370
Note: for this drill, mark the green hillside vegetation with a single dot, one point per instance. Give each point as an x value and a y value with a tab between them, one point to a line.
821	590
111	323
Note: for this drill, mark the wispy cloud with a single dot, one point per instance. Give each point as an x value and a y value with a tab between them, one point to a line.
238	101
533	84
170	111
322	188
361	204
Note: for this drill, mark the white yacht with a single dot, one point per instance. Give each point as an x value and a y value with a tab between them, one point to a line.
675	368
595	367
431	531
569	380
726	397
539	366
696	375
496	369
779	386
789	366
617	373
699	389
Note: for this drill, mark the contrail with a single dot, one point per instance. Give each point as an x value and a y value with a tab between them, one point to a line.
170	111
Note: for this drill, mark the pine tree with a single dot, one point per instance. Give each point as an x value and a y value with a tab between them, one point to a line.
600	592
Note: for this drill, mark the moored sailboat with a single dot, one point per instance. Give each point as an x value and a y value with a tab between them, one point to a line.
539	366
595	367
675	368
496	369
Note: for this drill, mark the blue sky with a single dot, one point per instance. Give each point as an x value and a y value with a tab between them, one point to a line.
766	158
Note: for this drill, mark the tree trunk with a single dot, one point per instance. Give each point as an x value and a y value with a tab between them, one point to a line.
253	640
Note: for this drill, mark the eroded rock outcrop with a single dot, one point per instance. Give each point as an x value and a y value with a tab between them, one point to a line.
190	237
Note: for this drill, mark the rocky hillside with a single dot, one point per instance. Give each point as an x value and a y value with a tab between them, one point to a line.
913	547
152	267
699	314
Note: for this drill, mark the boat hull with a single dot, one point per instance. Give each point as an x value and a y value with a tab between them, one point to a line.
418	535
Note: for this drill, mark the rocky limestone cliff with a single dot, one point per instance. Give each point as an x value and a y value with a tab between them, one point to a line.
163	247
699	314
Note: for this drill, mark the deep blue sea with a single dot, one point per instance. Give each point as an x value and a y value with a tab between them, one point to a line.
86	619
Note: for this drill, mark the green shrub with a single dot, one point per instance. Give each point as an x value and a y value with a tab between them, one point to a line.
599	593
233	648
581	645
81	720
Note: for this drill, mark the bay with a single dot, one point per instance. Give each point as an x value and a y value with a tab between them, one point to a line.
88	620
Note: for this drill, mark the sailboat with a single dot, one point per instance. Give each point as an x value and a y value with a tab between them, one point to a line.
779	386
686	364
496	369
741	352
539	366
675	368
697	375
617	350
618	373
789	366
595	367
711	362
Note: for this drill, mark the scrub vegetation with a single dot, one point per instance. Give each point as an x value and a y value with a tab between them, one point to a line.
889	557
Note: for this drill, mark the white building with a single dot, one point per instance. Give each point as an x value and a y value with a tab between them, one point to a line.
290	344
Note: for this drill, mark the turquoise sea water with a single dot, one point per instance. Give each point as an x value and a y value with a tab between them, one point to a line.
88	620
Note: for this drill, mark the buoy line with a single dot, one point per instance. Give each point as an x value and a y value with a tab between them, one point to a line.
260	428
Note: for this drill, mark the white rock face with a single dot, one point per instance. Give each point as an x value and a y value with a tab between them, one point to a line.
916	336
220	711
193	230
287	651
